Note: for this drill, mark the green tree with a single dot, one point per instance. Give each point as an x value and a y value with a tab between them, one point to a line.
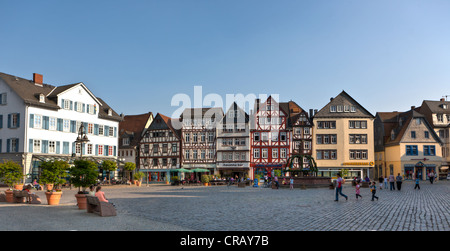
129	167
139	175
54	172
11	173
109	166
83	174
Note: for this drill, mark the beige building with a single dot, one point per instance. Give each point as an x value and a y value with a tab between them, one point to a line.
405	143
343	138
437	114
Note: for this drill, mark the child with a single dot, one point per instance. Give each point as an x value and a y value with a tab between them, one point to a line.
291	183
373	189
358	186
417	183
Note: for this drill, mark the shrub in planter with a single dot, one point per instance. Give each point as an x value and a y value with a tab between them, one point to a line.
138	177
54	172
10	174
205	179
82	175
175	180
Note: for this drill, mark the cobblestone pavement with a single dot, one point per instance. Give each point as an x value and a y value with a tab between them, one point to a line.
222	208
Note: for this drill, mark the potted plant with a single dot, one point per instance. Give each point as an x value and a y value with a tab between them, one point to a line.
138	177
54	172
175	180
110	166
205	179
11	174
82	175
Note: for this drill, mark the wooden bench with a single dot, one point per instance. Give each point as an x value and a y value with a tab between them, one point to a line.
99	207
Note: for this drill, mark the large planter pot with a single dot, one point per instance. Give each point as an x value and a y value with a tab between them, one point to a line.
81	201
9	196
138	183
18	187
53	197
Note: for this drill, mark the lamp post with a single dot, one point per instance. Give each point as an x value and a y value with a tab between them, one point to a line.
81	139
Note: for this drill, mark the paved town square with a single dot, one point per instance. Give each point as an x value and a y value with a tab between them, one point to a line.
159	207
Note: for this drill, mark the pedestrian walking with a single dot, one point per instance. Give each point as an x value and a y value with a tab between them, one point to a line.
385	182
431	177
417	183
339	181
357	190
373	189
291	183
399	180
391	182
381	179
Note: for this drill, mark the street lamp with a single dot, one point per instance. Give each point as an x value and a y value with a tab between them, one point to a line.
81	139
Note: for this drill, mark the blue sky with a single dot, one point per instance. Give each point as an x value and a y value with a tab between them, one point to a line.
136	55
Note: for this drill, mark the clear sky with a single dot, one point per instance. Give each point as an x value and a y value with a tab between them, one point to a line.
136	55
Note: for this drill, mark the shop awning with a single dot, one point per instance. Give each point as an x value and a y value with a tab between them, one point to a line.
200	170
444	168
182	170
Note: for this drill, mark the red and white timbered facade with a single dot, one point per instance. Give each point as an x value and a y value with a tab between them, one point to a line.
270	137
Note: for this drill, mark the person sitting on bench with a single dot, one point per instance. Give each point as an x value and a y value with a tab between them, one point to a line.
101	195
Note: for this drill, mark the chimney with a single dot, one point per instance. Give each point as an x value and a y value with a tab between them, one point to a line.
311	113
413	107
38	79
256	106
315	112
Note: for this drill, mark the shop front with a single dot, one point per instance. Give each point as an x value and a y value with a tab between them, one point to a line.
420	170
156	175
228	170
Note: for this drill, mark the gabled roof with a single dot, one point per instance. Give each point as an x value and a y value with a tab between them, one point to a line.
342	99
29	92
133	125
163	122
398	124
235	107
436	106
214	112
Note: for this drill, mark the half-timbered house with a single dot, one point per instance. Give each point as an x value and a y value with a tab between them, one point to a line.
160	149
269	138
198	136
233	145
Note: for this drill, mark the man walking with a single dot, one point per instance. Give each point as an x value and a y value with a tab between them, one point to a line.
339	181
391	181
399	179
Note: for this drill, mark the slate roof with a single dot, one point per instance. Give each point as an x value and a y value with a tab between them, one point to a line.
133	126
29	92
343	99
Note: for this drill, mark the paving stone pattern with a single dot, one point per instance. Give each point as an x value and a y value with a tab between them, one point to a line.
222	208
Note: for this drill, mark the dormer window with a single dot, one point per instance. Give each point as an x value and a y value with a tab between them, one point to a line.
41	98
444	106
109	112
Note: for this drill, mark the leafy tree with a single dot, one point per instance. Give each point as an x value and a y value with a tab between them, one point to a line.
129	166
138	176
83	174
11	173
54	172
109	166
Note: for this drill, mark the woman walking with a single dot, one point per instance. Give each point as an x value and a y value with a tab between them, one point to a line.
339	181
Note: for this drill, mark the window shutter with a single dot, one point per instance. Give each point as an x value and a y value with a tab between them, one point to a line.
62	104
30	146
46	122
59	125
73	147
18	120
17	146
96	149
58	147
114	151
84	107
84	149
8	145
31	120
73	125
0	145
106	131
105	150
1	121
44	146
95	129
9	120
71	105
115	131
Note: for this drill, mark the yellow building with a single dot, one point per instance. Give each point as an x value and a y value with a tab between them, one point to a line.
406	143
343	138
